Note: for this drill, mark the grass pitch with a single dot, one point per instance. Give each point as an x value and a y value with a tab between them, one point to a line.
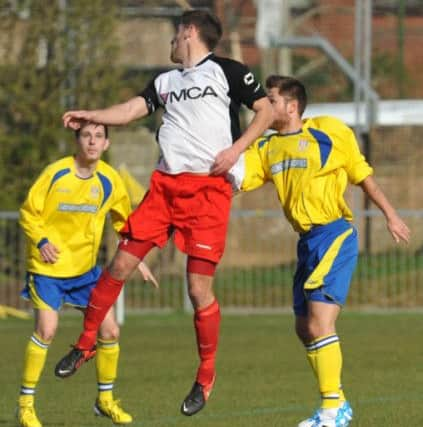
263	377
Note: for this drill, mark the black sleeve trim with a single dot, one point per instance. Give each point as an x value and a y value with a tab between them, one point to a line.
244	87
150	96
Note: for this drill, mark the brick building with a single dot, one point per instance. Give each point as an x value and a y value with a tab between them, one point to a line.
397	34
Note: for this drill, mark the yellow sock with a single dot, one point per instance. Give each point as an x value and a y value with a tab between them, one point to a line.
35	357
342	397
311	357
26	400
327	363
106	366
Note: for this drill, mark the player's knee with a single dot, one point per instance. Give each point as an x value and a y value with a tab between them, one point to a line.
308	328
200	295
302	334
121	268
194	293
109	332
46	333
317	329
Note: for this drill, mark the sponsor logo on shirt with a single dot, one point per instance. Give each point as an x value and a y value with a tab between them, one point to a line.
95	191
70	207
194	92
288	164
302	144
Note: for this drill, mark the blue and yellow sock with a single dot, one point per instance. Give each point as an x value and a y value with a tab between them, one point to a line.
35	358
325	357
107	359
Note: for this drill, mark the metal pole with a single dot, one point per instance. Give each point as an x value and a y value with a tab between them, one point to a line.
367	63
357	63
367	151
358	25
323	44
401	31
369	115
284	56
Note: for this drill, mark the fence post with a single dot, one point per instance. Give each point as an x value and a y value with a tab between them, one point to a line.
186	301
120	307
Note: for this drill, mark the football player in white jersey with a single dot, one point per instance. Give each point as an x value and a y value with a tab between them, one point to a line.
190	191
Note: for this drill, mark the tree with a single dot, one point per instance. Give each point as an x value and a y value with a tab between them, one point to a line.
53	56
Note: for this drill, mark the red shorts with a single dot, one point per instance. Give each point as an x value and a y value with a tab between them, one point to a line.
193	207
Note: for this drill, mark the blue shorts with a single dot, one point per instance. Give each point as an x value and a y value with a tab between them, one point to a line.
327	257
50	293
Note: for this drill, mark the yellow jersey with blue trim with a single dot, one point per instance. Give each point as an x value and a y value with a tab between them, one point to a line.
310	169
70	212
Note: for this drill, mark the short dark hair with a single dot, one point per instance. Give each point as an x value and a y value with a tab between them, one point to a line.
290	87
78	131
208	24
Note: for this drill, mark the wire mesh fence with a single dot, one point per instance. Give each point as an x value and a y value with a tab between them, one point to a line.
257	269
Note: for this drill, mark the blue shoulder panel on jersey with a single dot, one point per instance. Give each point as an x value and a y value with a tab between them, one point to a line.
325	144
57	176
263	141
107	186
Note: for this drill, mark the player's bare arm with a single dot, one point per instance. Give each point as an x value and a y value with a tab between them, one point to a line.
49	253
395	224
118	114
263	118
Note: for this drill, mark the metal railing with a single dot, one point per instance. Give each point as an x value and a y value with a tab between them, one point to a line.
257	269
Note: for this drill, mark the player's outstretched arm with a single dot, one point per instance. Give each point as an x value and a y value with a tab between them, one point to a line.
262	120
118	114
395	224
147	274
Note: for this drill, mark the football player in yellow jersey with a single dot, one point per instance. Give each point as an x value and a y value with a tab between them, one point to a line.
63	219
310	163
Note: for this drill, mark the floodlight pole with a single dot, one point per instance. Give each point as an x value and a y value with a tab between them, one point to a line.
285	55
362	62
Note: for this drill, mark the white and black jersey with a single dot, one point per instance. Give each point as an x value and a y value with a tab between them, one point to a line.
201	111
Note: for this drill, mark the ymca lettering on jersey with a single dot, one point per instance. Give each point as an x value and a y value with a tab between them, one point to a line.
201	111
190	93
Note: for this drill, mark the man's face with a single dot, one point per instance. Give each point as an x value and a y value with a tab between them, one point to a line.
92	142
280	109
178	45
